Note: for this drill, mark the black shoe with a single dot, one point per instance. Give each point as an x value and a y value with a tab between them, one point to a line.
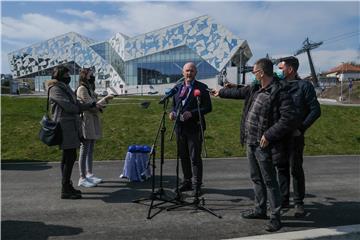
70	196
285	205
252	214
299	211
197	192
186	186
68	192
273	225
71	188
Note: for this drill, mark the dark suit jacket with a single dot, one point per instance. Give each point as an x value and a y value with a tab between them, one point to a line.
191	105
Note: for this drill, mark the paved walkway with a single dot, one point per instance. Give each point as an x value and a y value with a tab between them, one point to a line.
327	101
32	208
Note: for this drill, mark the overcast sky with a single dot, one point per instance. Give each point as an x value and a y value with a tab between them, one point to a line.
274	28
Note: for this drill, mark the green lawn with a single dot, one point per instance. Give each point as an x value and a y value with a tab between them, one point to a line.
336	132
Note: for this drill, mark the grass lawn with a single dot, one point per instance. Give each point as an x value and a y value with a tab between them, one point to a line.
336	132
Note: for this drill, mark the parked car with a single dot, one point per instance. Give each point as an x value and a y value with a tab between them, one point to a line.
101	92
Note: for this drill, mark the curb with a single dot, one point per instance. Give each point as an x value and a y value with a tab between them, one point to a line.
339	232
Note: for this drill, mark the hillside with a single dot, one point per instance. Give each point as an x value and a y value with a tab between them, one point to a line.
126	122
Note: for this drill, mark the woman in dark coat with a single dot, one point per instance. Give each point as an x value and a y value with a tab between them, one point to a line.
65	109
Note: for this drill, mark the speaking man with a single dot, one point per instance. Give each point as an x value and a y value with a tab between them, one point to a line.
188	126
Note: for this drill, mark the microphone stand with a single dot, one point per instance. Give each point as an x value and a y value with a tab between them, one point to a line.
178	196
179	202
201	126
157	195
177	119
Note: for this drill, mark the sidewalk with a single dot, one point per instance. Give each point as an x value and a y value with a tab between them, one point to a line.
32	208
328	101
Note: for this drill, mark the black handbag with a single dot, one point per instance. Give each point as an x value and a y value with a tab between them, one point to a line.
50	131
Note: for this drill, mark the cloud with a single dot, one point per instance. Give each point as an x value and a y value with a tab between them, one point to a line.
34	26
82	14
269	27
145	17
4	68
326	59
323	60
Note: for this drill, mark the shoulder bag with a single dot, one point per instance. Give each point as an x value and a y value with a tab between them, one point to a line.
50	131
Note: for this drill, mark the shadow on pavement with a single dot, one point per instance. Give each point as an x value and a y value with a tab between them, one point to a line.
129	191
326	214
25	166
34	230
248	192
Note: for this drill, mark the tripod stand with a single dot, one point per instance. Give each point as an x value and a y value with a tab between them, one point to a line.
198	202
158	195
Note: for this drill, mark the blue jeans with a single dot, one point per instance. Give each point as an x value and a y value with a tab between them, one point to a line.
263	176
86	157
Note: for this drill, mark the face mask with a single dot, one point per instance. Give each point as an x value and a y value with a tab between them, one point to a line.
66	80
92	80
254	80
279	73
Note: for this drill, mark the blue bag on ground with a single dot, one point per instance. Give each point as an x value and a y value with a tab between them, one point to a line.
136	166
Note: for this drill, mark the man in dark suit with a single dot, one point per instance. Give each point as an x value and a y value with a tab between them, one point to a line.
188	126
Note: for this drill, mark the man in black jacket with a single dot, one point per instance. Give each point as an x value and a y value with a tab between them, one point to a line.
304	97
188	128
268	115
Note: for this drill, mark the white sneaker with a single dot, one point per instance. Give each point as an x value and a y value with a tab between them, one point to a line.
93	179
84	182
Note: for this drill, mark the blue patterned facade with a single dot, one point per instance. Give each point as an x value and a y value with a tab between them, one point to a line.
63	49
211	42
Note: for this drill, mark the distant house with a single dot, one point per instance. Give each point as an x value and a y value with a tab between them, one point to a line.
345	72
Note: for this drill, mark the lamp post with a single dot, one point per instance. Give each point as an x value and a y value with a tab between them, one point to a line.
341	83
74	65
241	79
141	71
141	77
350	88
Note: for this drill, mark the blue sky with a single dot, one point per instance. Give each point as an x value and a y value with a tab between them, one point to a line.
274	28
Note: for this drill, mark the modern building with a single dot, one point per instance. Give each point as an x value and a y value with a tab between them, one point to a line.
129	64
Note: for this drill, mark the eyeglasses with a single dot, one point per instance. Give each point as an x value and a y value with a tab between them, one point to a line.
254	72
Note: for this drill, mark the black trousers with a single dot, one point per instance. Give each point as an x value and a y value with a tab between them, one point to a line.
293	164
189	150
67	164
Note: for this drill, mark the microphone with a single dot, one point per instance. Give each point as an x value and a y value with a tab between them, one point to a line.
210	90
197	93
168	94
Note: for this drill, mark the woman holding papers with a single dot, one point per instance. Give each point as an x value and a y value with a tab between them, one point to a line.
91	127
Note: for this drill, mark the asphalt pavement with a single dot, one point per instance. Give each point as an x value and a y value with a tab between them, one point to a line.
31	207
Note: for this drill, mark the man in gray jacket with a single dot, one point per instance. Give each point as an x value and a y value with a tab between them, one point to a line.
268	116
